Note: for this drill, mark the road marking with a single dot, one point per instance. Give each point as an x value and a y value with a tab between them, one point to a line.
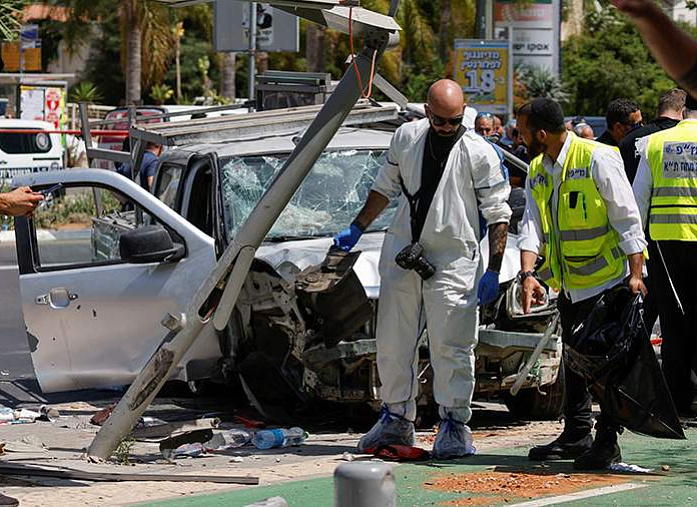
608	490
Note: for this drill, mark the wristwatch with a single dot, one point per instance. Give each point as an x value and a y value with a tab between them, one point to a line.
525	274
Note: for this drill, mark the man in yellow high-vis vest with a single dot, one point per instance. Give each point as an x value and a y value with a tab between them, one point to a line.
666	191
582	221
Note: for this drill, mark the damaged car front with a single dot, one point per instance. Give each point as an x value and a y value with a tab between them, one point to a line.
304	327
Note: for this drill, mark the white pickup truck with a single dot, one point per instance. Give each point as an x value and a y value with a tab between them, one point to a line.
93	304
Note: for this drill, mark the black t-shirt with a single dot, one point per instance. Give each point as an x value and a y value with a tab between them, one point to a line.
436	154
628	145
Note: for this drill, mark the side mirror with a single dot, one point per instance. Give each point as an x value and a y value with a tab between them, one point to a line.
150	243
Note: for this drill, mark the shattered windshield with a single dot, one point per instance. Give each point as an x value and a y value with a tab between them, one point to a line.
327	201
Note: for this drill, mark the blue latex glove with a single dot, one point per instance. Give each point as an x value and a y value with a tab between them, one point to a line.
348	238
488	287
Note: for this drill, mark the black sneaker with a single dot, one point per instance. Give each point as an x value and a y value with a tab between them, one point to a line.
566	446
603	453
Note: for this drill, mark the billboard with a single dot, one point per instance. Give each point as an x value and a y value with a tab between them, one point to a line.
276	30
534	29
484	70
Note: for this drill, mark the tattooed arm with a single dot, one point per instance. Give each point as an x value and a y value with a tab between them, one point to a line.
497	245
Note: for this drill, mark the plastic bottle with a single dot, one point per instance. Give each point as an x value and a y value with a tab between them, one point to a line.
229	439
6	414
281	437
189	450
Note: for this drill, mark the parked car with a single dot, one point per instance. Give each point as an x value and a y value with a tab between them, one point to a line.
30	152
94	315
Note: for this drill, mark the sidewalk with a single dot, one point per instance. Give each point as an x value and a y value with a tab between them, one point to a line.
506	477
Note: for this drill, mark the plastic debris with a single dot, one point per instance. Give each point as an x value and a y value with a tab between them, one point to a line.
49	414
624	467
230	439
21	416
276	501
281	437
189	450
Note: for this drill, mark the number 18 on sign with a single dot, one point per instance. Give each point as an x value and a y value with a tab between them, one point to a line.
484	69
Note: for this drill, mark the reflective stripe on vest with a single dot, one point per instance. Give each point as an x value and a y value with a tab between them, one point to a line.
583	252
672	156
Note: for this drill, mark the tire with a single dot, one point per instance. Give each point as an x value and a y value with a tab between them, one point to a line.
530	404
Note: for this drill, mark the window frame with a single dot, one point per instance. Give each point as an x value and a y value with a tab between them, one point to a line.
25	232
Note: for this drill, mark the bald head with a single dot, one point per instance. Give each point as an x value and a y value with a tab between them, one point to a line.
445	101
445	94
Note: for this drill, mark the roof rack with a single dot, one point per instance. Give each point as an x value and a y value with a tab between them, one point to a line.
225	128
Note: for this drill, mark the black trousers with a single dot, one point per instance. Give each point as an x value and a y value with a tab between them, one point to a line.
577	398
679	330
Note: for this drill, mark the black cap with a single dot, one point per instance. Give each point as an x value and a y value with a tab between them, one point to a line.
690	103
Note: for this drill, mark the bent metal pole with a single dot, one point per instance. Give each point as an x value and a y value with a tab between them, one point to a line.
185	328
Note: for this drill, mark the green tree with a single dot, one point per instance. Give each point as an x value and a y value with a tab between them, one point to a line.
608	61
9	20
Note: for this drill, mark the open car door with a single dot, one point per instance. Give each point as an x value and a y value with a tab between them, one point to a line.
94	315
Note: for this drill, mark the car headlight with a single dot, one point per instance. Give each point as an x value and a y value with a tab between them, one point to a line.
42	141
514	302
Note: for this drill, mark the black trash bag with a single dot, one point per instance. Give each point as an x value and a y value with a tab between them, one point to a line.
612	350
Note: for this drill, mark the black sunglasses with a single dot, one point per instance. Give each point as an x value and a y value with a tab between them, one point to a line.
439	121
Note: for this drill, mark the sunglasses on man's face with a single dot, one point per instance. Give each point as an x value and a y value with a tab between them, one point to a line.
439	121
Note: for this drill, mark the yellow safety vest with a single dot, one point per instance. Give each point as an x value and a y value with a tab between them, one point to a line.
584	252
672	156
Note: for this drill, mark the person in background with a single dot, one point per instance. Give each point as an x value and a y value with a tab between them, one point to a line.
584	130
670	108
499	131
670	112
665	188
148	167
623	116
484	125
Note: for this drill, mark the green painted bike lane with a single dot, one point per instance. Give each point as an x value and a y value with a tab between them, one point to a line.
677	486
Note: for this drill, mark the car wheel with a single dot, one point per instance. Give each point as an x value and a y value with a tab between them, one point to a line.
531	404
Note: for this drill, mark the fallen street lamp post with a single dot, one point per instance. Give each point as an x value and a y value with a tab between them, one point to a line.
227	277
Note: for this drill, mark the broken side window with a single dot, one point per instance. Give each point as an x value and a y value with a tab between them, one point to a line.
326	202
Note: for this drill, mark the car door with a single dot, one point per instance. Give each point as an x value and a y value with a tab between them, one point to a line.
92	318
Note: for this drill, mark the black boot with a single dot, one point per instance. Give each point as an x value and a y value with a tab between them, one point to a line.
603	453
569	445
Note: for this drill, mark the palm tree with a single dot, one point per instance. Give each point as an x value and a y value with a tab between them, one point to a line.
9	20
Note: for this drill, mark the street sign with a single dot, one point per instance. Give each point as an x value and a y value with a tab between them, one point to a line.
275	30
484	69
534	28
42	102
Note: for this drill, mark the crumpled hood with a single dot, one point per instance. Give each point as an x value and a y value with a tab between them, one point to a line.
291	257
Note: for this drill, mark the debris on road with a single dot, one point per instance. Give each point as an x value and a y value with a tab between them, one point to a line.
153	428
625	468
22	416
33	470
100	417
279	437
178	445
229	439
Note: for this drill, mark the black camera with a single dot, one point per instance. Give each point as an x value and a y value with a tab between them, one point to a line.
412	257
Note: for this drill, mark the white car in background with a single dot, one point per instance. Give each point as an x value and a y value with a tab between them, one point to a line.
30	152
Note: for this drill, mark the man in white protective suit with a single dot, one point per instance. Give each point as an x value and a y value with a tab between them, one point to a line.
430	266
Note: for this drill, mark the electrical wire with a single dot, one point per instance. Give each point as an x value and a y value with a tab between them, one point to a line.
364	95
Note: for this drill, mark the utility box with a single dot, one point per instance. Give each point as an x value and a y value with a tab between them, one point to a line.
281	90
